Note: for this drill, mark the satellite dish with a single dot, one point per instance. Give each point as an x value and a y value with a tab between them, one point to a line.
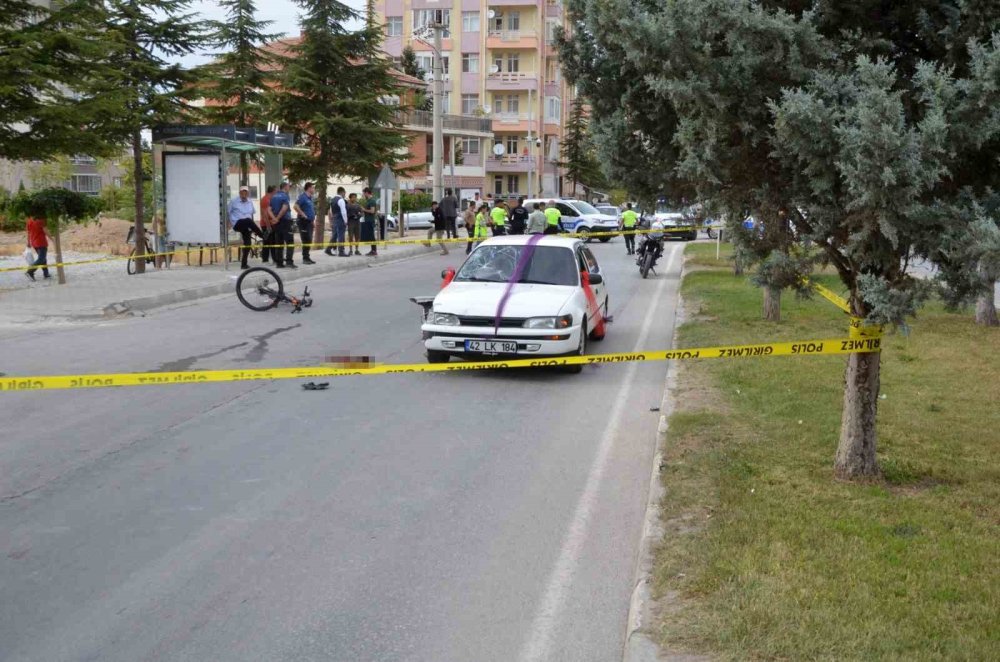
487	109
499	149
491	14
495	69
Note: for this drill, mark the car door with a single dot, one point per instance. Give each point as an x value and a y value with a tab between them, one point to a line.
586	266
570	217
594	269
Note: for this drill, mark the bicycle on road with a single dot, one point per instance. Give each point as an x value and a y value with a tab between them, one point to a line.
260	289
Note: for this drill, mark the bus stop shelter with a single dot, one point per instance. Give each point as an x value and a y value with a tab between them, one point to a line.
191	176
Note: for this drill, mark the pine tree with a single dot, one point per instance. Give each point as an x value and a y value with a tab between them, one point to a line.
49	59
331	92
145	89
234	83
578	153
411	67
867	134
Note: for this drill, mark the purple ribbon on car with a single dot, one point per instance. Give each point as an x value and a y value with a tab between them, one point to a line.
522	264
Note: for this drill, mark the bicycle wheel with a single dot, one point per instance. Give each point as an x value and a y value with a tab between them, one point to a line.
130	264
259	288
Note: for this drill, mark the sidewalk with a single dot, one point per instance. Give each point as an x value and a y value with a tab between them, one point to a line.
112	293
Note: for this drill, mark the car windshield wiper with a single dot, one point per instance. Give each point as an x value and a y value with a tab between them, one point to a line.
480	280
528	281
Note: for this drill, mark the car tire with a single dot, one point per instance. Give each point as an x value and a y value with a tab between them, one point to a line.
584	235
605	240
434	356
576	369
593	334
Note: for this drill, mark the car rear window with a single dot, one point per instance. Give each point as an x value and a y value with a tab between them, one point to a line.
548	265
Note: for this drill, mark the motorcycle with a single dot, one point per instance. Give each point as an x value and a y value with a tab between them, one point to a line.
650	249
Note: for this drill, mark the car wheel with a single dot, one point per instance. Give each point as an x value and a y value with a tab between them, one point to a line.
583	234
605	240
434	356
580	351
593	334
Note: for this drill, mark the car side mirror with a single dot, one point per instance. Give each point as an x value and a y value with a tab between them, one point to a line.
596	279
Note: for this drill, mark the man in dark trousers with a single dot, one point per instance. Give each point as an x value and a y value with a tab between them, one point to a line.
518	218
240	213
338	218
281	210
449	209
305	217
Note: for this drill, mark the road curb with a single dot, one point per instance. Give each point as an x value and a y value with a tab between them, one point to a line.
640	646
145	304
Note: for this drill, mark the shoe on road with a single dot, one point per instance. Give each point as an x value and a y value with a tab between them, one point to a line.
307	261
29	275
329	252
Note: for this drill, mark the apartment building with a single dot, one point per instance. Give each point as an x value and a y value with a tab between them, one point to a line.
500	63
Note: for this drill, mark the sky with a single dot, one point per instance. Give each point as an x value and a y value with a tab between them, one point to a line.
284	13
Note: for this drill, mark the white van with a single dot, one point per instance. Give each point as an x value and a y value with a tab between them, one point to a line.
581	217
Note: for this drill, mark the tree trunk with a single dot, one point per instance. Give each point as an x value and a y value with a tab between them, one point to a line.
140	212
986	310
321	203
245	170
772	304
57	241
856	450
737	268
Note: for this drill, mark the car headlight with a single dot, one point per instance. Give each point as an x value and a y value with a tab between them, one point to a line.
563	322
444	319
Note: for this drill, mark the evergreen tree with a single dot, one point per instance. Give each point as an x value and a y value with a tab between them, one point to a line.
863	135
333	83
578	153
234	83
410	67
145	89
49	59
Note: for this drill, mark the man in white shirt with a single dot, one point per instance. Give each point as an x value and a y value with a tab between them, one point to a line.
241	211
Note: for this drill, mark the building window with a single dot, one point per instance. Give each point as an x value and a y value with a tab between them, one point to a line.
83	160
394	26
550	31
426	63
90	184
498	185
553	109
512	184
470	102
390	99
512	145
470	63
424	17
470	145
470	21
498	104
446	101
513	62
513	104
514	21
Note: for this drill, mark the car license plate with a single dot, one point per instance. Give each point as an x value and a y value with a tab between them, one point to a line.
491	346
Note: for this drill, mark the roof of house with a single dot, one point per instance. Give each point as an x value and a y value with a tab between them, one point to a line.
284	47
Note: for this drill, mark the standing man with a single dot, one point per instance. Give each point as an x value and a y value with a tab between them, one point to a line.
499	217
518	218
629	220
553	222
449	209
281	215
305	218
338	218
439	227
354	212
536	221
267	223
370	208
469	220
241	218
38	240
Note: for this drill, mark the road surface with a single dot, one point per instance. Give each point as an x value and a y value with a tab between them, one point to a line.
468	516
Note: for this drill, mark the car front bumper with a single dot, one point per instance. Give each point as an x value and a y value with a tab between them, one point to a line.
530	342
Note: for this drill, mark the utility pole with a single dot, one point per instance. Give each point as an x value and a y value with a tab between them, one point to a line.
437	175
531	150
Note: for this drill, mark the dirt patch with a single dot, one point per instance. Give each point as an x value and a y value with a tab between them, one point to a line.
106	237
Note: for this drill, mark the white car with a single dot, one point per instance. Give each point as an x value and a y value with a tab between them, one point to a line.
548	311
582	218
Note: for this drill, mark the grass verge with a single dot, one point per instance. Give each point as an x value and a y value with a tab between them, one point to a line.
766	555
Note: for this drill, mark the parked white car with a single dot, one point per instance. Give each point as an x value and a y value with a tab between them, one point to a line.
582	217
548	312
419	220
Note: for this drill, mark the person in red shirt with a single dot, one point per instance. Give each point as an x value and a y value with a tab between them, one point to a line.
266	222
38	240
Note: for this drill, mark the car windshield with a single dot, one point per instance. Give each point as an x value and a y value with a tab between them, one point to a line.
608	210
548	265
585	207
667	207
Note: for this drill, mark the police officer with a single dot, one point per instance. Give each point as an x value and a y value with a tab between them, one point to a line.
553	218
518	218
281	210
499	217
628	223
305	212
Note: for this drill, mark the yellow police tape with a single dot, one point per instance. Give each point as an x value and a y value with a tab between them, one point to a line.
801	348
317	246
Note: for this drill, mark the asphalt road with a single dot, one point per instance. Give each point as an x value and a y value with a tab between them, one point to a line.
468	516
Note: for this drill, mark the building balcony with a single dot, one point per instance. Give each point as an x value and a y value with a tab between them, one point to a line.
511	39
509	163
463	125
553	8
512	81
553	88
510	122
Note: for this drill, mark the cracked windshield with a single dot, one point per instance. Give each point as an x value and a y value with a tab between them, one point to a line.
507	331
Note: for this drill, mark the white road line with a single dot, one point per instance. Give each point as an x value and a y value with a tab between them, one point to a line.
546	618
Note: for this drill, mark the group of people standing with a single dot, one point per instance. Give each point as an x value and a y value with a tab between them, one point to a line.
351	223
481	217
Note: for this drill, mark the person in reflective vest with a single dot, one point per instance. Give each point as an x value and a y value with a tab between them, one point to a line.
629	220
480	230
553	218
498	215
